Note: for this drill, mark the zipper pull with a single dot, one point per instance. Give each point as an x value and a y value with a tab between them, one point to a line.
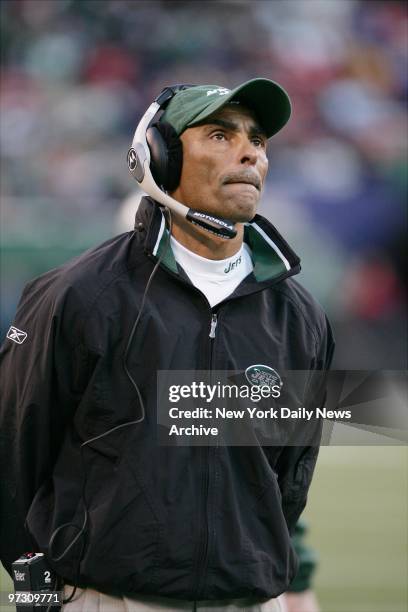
213	325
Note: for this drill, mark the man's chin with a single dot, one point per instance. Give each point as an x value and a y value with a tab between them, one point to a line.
241	212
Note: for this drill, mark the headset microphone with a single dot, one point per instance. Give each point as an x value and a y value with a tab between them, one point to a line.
141	158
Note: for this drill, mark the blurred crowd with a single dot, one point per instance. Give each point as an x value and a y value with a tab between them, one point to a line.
78	74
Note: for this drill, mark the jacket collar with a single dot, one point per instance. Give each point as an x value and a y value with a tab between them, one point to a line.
272	256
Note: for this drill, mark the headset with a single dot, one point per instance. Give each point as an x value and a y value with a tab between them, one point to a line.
155	160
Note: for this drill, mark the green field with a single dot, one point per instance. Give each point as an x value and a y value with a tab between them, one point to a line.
358	515
358	518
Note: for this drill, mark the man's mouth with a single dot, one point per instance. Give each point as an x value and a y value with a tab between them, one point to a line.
247	180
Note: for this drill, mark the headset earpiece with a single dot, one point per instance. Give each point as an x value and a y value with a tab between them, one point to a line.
166	155
155	160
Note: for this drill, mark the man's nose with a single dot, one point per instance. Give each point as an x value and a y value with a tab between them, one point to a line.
248	153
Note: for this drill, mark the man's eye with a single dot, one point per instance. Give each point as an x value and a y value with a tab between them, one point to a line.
218	135
258	142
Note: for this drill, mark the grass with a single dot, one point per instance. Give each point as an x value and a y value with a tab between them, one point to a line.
358	516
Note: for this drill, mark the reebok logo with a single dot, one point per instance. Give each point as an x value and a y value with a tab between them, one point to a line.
16	335
221	91
19	576
233	264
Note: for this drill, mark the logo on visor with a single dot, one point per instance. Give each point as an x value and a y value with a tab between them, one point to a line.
221	91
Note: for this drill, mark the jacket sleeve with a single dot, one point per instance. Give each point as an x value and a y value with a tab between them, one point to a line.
41	380
307	559
295	464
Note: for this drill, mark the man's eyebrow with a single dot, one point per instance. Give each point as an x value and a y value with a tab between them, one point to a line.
225	123
254	130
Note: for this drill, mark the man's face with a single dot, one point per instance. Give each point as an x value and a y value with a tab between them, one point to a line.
224	165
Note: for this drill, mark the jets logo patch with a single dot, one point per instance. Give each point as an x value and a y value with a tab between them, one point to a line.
16	335
262	375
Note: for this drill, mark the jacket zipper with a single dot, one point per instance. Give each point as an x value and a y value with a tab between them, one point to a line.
202	557
206	479
213	327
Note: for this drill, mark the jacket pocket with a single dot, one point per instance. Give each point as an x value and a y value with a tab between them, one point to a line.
123	529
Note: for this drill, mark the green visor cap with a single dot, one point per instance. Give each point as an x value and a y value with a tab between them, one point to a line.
266	99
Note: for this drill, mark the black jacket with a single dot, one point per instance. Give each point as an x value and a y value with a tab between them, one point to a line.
187	522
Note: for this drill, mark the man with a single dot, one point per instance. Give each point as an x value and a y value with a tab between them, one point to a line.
135	524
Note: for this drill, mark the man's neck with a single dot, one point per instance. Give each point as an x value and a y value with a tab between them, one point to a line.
204	243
